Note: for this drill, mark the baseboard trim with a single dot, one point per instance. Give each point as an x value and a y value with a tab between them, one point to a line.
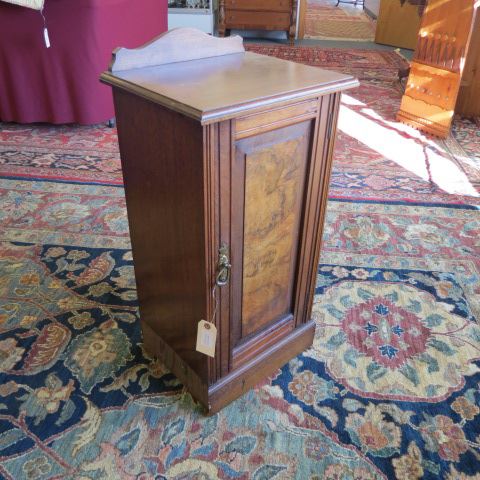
265	364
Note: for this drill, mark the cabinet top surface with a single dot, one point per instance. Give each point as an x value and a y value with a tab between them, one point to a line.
219	88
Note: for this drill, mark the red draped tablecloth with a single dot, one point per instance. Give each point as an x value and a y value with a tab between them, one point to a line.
60	84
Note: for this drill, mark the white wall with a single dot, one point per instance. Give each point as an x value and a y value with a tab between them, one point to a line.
373	6
202	21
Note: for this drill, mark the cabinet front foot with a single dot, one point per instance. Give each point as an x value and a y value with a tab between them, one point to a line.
238	382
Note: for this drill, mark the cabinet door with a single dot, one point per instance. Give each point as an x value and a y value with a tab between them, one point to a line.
273	166
275	196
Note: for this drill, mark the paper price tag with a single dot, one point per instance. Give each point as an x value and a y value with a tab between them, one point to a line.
206	338
46	37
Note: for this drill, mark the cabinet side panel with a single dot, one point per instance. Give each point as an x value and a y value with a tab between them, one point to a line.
162	161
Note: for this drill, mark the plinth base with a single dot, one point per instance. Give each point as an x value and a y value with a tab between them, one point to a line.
238	382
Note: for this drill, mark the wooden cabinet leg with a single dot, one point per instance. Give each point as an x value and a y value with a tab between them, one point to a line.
221	18
292	31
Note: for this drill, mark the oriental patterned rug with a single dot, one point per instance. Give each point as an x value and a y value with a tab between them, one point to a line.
390	388
325	21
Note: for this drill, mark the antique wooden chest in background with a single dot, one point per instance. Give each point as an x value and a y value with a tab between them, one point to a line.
226	161
258	15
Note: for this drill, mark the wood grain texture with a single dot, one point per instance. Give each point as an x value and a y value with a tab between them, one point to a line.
319	177
314	205
302	12
275	118
266	363
263	340
177	45
256	183
264	5
437	68
434	115
275	165
468	103
165	204
243	19
226	212
158	348
211	168
397	24
215	89
255	15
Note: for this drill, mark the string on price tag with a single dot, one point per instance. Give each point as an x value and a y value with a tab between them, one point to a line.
46	37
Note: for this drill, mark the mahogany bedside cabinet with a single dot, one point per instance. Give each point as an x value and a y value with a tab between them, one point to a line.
226	158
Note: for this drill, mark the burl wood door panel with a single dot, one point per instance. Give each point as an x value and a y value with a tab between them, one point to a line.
274	166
